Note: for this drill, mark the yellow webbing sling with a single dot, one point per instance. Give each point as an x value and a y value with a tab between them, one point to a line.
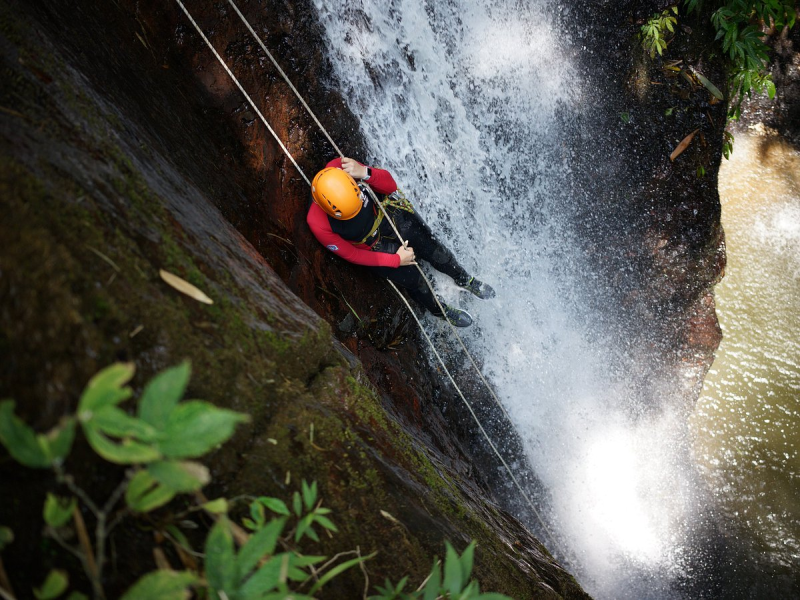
397	199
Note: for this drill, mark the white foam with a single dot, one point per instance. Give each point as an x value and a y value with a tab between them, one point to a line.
459	100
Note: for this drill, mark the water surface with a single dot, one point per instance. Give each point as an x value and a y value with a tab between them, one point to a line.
747	422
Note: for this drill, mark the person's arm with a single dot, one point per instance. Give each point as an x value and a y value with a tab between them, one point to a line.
380	180
318	223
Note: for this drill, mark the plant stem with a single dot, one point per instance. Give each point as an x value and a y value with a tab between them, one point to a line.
101	533
67	480
53	533
364	571
90	563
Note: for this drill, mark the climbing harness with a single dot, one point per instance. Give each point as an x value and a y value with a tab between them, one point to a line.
397	200
374	230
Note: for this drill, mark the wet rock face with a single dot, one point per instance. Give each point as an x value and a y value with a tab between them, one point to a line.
650	225
125	150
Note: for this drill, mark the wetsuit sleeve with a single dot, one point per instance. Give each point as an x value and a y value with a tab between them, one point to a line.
318	223
381	181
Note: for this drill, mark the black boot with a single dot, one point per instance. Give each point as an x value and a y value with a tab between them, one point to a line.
482	290
458	317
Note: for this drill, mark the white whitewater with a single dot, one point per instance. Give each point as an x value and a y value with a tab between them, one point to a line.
460	101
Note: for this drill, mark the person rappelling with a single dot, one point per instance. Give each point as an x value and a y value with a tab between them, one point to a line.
346	221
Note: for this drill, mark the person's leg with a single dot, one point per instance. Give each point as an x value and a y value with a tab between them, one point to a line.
427	246
430	249
411	279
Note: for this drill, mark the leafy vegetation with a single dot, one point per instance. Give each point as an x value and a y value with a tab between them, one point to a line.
261	558
655	31
452	583
739	25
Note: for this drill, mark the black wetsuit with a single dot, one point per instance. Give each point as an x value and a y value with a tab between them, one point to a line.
419	236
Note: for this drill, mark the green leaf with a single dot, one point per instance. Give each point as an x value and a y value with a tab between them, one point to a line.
20	440
162	394
145	493
264	580
294	573
125	453
453	577
221	570
730	37
434	582
770	89
312	534
309	494
77	596
466	561
338	570
54	585
275	505
259	545
196	427
164	585
401	585
180	476
283	594
473	589
709	86
58	441
116	422
6	537
58	511
297	504
304	560
105	389
325	522
216	507
257	512
304	528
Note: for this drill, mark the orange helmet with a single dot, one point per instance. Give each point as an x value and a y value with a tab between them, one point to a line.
336	193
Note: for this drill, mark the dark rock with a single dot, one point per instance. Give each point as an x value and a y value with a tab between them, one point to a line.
651	226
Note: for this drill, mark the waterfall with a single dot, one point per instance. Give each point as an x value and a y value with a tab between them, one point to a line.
464	103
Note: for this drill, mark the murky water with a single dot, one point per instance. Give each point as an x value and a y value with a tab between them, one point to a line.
747	423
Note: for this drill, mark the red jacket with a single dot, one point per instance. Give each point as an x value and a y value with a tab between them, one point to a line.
381	182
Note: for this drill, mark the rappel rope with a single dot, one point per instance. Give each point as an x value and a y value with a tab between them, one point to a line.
369	190
241	89
527	498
